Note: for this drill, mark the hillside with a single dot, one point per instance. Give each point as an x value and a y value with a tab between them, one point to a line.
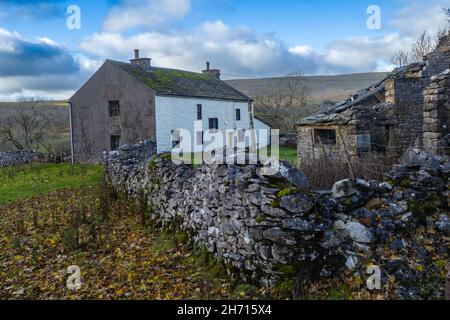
322	88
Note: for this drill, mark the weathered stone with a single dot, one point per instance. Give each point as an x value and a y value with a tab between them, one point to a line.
297	224
344	188
279	236
298	203
443	224
359	233
274	212
374	204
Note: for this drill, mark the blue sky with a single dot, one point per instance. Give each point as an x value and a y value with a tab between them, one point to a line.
247	38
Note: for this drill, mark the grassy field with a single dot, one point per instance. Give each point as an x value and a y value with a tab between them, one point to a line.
120	255
21	182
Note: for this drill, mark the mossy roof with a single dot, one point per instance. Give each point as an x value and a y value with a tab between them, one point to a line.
182	83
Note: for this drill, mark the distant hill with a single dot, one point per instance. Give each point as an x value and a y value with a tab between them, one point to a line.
322	88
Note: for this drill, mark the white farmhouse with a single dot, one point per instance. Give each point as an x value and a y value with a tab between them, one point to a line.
124	103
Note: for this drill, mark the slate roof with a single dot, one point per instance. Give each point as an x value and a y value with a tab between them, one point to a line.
332	114
173	82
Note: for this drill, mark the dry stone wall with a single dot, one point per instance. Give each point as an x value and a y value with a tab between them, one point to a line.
274	227
14	158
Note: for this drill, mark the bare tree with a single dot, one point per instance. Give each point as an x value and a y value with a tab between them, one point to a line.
27	128
422	46
400	59
284	106
447	13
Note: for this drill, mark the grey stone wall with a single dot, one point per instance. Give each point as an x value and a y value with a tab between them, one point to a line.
271	228
436	128
14	158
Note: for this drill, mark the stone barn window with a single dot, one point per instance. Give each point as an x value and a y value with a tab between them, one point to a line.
363	143
325	136
115	142
114	108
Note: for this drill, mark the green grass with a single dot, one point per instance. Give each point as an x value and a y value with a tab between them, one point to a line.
288	154
21	182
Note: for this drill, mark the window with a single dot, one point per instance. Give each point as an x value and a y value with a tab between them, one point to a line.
213	124
199	112
363	143
325	136
238	114
115	142
176	139
114	108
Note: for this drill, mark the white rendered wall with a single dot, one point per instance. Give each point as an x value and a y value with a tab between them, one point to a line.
174	113
262	136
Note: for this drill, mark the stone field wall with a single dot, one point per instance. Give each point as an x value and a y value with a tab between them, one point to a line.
14	158
274	227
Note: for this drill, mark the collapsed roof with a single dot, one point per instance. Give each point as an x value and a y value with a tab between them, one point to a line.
333	114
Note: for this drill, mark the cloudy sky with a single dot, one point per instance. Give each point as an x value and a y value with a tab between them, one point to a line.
41	56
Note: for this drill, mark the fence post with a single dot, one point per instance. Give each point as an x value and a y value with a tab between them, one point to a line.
347	155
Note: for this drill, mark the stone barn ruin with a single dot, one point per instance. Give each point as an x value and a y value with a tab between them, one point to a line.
410	107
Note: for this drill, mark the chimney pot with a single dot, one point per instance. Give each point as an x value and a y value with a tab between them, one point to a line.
136	53
212	73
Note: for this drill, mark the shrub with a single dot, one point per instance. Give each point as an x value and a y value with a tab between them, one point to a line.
324	171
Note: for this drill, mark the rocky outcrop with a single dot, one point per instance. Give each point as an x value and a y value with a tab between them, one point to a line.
14	158
271	227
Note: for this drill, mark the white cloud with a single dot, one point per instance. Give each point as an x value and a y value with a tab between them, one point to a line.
418	16
363	53
236	50
131	14
302	50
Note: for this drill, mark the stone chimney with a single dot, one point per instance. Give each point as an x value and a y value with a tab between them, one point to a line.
213	73
144	63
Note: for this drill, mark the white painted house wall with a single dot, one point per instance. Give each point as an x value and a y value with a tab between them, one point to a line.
174	113
263	139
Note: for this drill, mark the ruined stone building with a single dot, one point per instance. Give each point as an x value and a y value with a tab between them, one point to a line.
124	103
410	107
